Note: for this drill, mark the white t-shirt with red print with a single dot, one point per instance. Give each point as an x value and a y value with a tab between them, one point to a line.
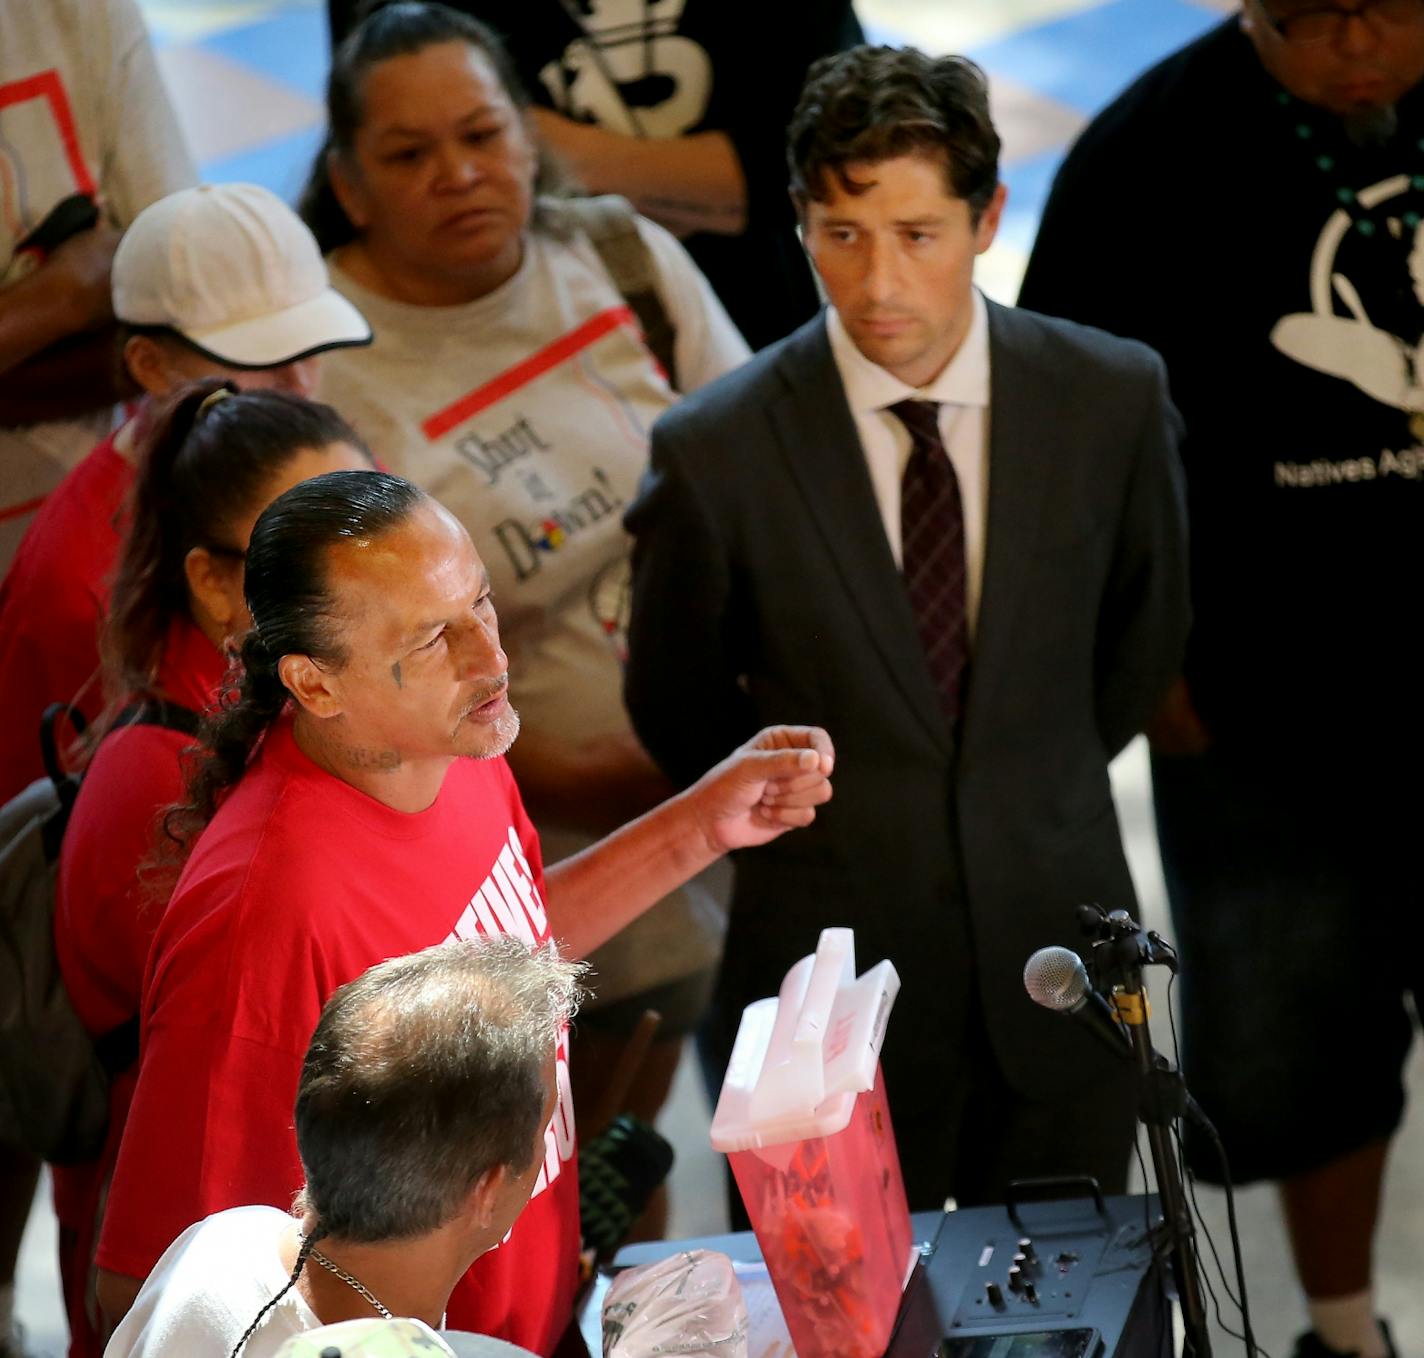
83	109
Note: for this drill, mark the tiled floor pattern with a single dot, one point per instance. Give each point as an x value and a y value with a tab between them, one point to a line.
247	77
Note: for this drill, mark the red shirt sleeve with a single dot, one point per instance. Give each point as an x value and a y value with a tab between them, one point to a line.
210	1128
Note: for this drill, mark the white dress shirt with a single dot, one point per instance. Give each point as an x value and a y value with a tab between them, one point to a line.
962	390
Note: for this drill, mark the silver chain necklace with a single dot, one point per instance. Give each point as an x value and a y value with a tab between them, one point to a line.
355	1284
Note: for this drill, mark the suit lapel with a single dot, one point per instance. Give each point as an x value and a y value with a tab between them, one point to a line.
1019	428
817	437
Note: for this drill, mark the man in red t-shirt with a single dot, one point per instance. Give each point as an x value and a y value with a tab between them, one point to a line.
218	281
377	816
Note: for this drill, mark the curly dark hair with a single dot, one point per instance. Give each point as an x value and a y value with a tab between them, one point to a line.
294	612
875	103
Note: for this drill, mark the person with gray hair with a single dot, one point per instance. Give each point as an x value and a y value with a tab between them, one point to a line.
424	1096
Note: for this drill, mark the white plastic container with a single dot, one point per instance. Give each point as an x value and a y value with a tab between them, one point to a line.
803	1120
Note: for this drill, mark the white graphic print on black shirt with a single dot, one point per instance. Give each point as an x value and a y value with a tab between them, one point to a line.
1383	365
632	57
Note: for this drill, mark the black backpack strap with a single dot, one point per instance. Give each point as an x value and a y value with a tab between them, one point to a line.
117	1049
158	712
66	788
150	712
611	226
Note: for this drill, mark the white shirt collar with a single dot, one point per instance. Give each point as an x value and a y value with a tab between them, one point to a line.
963	381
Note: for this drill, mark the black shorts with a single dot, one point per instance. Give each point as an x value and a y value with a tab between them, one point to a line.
1295	894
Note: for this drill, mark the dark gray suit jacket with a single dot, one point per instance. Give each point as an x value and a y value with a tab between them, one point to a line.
765	591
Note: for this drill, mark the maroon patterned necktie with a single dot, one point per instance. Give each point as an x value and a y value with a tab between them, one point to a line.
932	551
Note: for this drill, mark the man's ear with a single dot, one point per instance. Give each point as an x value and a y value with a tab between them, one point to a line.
988	225
484	1198
316	689
346	186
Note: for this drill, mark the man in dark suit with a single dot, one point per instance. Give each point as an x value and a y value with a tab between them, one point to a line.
953	534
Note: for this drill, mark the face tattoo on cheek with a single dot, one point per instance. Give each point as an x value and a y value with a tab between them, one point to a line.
396	675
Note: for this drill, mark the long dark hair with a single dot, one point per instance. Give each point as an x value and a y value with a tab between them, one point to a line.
209	453
401	29
294	612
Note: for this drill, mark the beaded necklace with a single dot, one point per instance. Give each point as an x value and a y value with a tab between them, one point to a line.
1385	218
1325	150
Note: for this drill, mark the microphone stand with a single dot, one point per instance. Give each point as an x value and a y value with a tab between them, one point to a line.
1121	950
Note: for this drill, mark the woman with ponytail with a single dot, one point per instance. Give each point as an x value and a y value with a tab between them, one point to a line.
212	461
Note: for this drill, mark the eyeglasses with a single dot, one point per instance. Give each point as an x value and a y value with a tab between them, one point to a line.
232	553
1312	27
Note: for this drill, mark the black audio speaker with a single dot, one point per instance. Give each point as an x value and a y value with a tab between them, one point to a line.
1068	1278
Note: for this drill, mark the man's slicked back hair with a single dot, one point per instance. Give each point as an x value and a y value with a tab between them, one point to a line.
877	103
294	612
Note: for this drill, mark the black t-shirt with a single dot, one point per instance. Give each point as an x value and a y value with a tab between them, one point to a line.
1212	216
685	66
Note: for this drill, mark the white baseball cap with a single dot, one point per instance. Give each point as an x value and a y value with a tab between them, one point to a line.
234	271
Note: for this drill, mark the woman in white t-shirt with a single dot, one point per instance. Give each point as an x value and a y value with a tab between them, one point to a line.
509	378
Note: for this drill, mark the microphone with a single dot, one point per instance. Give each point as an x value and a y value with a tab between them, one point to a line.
1057	979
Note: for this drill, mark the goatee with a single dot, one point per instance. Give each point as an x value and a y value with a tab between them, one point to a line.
1370	128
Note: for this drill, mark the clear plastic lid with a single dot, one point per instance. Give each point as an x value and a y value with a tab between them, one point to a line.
801	1058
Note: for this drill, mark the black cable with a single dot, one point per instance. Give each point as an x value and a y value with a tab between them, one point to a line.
1146	1184
1204	1124
1205	1274
1246	1336
1172	1020
1189	1185
1190	1180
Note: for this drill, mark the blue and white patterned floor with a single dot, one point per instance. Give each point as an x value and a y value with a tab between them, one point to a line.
247	78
